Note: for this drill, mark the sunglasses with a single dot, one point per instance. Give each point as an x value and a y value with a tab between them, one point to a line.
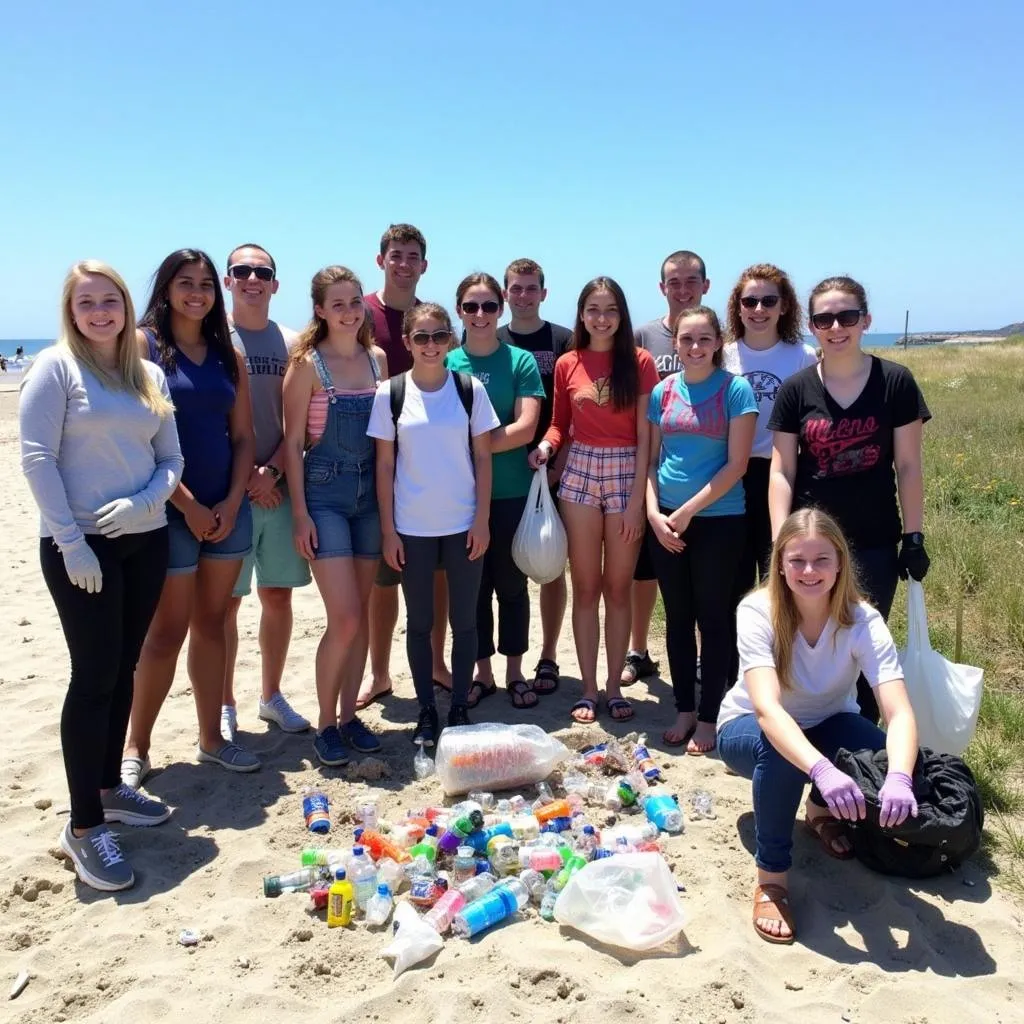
243	271
472	308
767	301
426	337
845	318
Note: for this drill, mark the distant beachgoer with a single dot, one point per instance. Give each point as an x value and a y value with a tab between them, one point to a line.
847	440
601	389
702	426
185	331
684	283
328	394
804	638
252	281
512	382
19	352
434	492
524	292
100	452
3	363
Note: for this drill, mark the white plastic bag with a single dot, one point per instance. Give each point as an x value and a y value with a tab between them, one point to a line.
414	940
629	900
945	697
492	756
540	547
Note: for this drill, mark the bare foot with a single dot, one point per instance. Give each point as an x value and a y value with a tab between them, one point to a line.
839	843
584	710
704	738
442	676
678	734
371	689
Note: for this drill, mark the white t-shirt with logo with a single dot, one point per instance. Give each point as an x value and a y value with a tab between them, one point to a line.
823	677
435	487
765	371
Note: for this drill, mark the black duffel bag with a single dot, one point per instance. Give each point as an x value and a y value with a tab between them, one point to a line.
947	829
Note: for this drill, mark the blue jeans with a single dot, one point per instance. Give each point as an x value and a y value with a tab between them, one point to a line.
779	785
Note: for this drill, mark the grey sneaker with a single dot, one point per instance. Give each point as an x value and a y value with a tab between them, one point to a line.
228	723
130	807
98	859
231	757
282	714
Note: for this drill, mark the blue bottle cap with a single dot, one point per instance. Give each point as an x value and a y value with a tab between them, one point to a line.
357	851
358	833
588	830
339	875
383	890
432	830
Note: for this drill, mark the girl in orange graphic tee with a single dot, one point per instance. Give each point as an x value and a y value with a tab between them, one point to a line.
600	397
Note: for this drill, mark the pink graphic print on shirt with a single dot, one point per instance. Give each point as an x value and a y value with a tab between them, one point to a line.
839	446
708	418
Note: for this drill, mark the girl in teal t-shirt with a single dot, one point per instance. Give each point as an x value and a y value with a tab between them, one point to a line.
702	428
512	380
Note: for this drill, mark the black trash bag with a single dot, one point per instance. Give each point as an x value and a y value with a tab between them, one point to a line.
946	831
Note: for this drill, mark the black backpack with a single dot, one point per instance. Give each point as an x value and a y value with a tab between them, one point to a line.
946	831
464	387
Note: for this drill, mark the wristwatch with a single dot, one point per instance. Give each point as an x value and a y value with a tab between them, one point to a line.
914	539
274	472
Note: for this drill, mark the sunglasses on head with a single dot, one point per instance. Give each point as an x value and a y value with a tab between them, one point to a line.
472	308
845	318
767	301
426	337
243	271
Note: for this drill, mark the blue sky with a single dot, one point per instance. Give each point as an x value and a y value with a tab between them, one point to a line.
878	139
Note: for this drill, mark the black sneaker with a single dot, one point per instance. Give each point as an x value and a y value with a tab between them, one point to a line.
427	727
459	715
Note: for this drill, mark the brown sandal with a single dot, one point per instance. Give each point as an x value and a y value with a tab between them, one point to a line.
827	830
772	902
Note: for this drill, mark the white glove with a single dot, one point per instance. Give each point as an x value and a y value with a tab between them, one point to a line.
83	567
120	516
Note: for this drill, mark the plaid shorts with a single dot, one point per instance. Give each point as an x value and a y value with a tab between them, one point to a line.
599	477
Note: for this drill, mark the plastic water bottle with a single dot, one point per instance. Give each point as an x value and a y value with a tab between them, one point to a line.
587	842
463	864
295	881
644	761
473	888
378	907
633	833
442	913
702	804
318	856
366	814
316	808
518	804
501	902
390	873
422	764
663	811
363	876
547	903
544	795
484	799
535	883
525	827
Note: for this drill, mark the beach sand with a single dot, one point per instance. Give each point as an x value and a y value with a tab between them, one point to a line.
869	949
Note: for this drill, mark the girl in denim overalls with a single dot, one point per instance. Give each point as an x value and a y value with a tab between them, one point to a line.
328	394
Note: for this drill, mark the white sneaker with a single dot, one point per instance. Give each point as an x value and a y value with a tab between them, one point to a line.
228	723
280	712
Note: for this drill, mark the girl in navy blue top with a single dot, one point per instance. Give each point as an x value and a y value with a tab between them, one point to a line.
184	329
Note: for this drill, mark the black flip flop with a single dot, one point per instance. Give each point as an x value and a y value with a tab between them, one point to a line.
485	692
546	673
517	690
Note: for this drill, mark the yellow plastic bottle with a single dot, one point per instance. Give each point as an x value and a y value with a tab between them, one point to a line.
339	901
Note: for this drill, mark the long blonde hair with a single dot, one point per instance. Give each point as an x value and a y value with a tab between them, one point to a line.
782	609
131	375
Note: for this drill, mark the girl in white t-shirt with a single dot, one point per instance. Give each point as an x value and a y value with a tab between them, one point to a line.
804	638
434	494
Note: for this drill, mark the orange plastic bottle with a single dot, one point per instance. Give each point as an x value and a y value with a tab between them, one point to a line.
555	809
380	846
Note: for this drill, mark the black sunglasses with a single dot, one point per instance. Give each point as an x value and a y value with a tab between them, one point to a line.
490	306
426	337
845	318
243	271
767	301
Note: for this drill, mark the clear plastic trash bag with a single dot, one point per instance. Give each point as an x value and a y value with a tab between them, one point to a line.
413	939
492	756
945	697
540	547
629	900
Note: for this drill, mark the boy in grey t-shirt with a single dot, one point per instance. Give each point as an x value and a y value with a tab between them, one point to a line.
265	346
684	283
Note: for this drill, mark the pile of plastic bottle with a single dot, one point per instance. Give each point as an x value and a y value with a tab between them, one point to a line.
472	865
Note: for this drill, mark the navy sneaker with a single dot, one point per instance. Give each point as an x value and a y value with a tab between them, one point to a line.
459	715
329	749
427	727
359	737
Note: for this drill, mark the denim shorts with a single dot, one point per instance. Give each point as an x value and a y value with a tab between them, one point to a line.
185	550
342	502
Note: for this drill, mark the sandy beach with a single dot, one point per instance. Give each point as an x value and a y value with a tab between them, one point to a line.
870	949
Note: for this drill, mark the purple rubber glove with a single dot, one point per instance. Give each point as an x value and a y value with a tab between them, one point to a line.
897	798
838	790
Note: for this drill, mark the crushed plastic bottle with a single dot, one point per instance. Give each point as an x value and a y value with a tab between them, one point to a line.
702	804
366	814
463	864
547	903
378	907
390	873
422	763
484	799
473	888
535	883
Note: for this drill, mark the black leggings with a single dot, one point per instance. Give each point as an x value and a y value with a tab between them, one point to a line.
698	588
877	575
104	634
423	555
503	577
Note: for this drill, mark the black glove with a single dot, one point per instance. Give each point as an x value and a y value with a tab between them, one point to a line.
914	560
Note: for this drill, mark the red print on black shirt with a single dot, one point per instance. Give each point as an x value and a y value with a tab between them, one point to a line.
839	445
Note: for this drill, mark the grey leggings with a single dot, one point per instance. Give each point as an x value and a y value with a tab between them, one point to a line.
423	555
